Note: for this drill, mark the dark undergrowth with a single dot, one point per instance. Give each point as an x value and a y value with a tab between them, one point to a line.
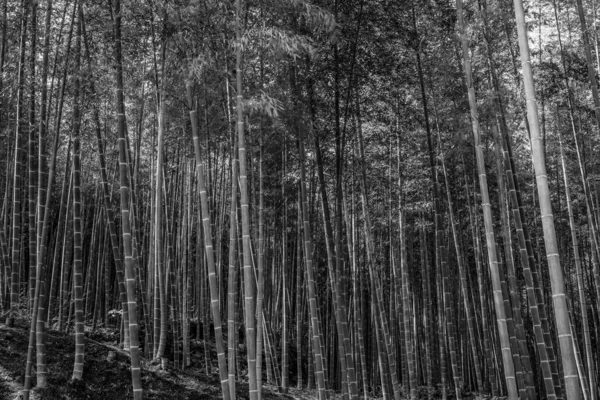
104	380
111	380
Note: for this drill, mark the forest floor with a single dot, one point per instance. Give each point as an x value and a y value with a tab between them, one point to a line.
104	380
111	380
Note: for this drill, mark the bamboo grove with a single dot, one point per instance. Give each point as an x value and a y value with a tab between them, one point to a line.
370	197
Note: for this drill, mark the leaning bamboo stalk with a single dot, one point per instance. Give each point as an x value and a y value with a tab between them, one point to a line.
208	246
584	175
529	275
39	307
44	202
580	365
104	183
125	191
509	370
531	268
67	249
232	278
578	268
563	326
38	316
501	120
518	340
463	281
67	174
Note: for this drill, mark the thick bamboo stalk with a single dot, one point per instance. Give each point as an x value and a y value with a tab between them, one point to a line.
125	191
67	174
161	329
31	160
43	214
77	216
573	390
66	257
249	287
17	179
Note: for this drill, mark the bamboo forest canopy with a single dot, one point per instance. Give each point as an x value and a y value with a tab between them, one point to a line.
306	67
371	197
